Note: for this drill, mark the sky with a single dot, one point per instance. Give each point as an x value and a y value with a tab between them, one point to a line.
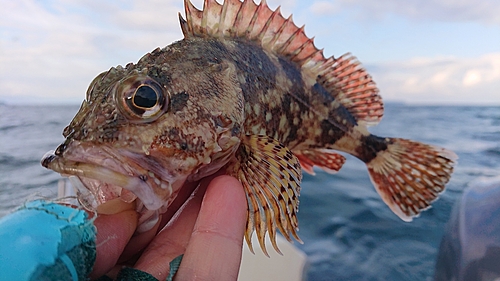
443	52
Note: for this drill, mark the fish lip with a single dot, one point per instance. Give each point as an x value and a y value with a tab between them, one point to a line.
116	174
48	158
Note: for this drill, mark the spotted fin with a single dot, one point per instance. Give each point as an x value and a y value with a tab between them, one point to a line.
343	77
327	160
271	175
410	175
353	87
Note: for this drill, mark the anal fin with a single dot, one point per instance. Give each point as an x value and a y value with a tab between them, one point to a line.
327	160
271	175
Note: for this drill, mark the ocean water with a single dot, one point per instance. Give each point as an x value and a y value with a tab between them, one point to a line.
348	232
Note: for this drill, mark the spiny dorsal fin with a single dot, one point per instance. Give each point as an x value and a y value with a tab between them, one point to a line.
343	77
270	174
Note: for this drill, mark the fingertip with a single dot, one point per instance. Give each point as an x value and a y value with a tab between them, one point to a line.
214	251
113	233
224	206
137	243
226	190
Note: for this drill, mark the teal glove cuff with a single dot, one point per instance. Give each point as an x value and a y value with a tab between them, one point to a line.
132	274
174	266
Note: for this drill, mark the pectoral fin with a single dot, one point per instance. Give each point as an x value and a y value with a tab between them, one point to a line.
271	175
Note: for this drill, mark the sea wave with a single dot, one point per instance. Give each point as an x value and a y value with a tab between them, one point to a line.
349	233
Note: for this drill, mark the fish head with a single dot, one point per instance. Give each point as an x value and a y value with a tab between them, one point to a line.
142	132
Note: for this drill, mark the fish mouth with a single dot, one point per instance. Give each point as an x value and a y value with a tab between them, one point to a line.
107	180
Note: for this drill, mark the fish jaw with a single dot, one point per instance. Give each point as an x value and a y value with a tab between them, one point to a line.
108	173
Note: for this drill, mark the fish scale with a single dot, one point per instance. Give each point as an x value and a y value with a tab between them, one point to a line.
246	91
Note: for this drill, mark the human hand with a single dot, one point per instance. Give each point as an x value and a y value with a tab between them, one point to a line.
208	230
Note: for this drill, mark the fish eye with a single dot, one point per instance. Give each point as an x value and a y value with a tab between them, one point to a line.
145	97
141	98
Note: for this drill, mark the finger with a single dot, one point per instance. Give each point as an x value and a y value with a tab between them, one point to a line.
136	244
184	194
113	233
141	240
214	250
173	239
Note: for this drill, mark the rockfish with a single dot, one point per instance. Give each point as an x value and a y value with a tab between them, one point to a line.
248	92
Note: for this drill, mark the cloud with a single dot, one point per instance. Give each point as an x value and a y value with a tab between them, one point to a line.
151	15
441	79
484	11
324	7
52	50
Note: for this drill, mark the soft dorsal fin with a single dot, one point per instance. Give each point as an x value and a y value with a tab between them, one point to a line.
343	77
353	87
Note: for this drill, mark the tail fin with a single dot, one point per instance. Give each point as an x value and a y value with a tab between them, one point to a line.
410	175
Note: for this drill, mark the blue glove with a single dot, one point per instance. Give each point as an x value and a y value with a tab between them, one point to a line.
46	241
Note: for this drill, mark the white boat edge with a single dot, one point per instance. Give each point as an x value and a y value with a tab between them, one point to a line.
291	266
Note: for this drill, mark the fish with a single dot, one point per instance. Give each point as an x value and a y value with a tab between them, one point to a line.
248	93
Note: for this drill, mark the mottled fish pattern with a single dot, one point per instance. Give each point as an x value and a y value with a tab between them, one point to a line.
246	91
